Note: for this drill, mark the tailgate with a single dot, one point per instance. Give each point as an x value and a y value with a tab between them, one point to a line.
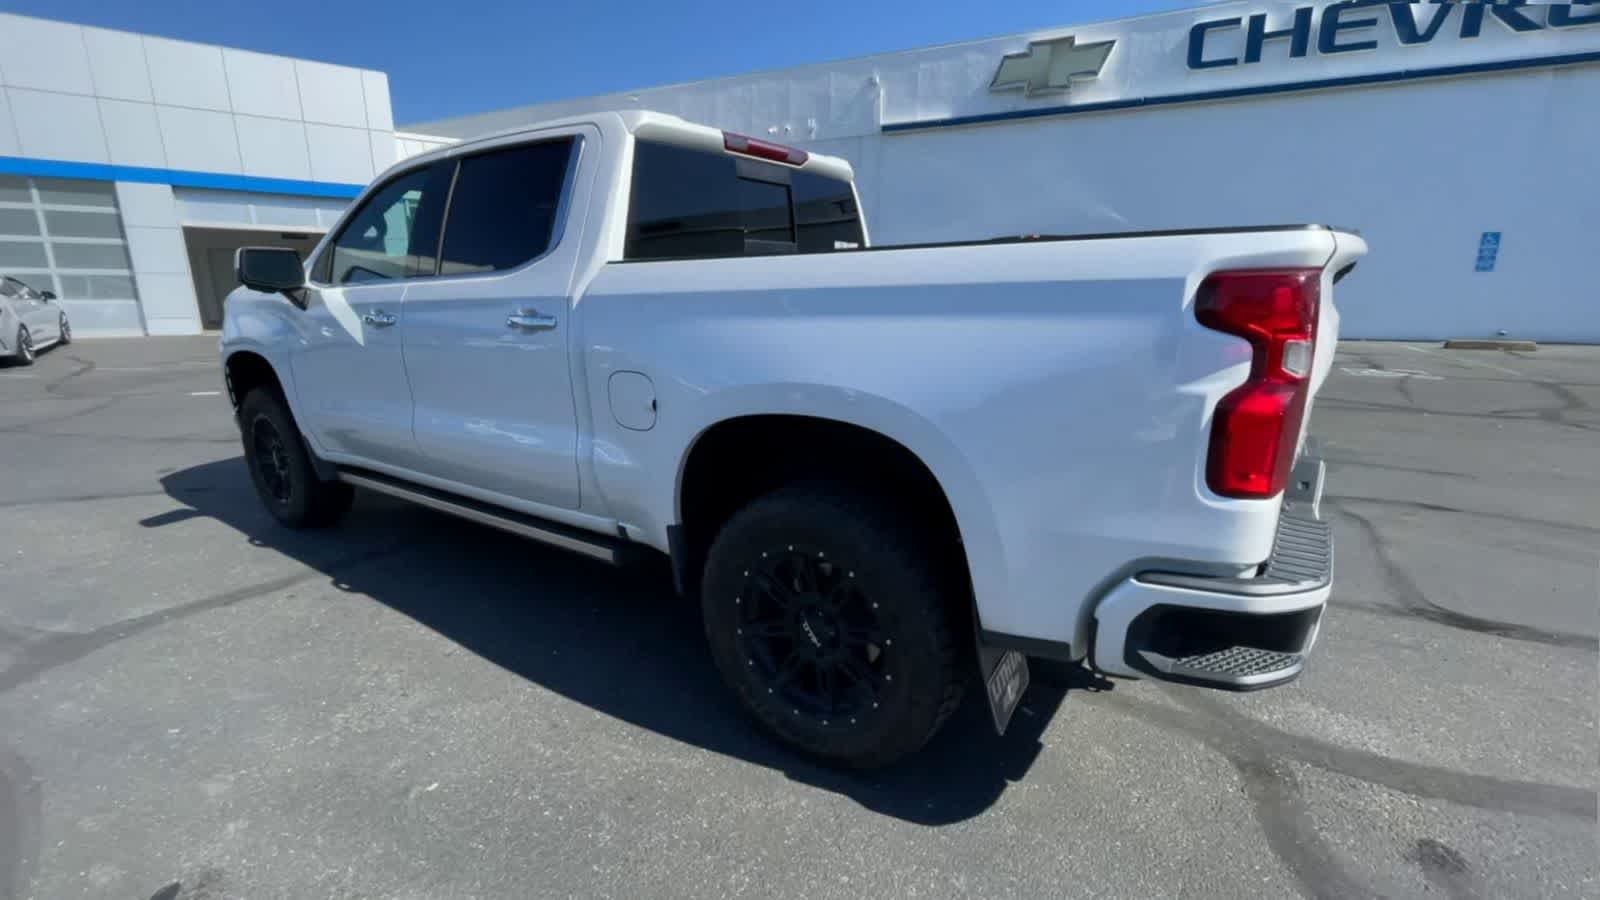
1348	250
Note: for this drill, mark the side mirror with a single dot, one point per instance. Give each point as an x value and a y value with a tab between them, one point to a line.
272	270
47	296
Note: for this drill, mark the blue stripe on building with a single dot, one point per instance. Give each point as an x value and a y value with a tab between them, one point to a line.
50	168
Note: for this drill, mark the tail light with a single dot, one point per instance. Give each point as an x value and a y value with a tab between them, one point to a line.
1257	426
749	146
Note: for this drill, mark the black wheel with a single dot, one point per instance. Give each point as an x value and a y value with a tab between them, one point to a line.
66	330
281	467
24	356
829	616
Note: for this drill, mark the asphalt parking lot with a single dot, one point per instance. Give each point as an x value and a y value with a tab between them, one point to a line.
195	703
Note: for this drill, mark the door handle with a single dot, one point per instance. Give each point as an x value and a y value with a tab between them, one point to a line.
530	320
379	319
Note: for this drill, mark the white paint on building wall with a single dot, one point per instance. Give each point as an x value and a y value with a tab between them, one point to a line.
1421	167
89	97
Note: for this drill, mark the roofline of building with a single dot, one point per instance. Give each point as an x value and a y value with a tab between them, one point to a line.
162	37
1032	34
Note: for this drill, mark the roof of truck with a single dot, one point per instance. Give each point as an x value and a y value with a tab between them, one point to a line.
655	125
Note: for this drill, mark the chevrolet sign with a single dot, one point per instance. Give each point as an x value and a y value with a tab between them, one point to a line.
1350	27
1051	66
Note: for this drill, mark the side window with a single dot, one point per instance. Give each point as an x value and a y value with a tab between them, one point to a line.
11	287
504	206
394	234
697	204
825	214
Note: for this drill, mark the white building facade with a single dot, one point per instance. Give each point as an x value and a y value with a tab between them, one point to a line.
1460	138
131	166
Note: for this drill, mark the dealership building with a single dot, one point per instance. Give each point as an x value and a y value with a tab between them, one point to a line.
1459	139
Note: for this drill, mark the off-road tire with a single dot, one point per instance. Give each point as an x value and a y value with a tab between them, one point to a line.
894	573
281	468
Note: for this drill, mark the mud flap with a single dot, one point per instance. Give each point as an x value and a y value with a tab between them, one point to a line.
1005	679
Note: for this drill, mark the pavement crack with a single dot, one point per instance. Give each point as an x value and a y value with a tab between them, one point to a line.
1511	415
21	808
1445	868
1342	500
1338	460
1415	603
1236	735
84	367
1276	802
80	498
60	649
55	420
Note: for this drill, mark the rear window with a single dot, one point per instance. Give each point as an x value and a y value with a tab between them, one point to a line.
699	204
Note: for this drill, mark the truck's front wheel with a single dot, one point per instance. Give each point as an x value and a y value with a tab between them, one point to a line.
827	614
281	468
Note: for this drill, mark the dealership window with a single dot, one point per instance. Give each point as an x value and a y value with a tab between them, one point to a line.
503	208
65	236
696	204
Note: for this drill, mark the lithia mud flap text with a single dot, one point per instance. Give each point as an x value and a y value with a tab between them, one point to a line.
1005	679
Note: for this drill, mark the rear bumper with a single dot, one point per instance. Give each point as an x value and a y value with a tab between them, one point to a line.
1231	633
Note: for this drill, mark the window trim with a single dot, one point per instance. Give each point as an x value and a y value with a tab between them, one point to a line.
316	277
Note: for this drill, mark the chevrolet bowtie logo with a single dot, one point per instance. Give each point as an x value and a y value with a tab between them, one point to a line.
1051	65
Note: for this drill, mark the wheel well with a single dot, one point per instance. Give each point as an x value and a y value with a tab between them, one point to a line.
738	460
246	371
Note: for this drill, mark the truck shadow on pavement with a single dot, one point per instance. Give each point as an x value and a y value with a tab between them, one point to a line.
618	641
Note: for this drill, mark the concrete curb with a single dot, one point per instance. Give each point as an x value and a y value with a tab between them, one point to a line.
1474	344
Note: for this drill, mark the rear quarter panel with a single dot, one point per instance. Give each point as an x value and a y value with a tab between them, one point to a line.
1060	392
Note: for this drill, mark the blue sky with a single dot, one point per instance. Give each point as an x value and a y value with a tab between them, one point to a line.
451	58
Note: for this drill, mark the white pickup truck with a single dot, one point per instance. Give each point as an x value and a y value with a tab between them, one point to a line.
878	469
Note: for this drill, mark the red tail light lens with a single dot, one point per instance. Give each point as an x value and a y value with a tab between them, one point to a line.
749	146
1257	425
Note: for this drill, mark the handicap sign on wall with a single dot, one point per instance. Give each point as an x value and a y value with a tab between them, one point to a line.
1488	251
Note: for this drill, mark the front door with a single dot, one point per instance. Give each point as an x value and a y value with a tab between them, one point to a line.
355	399
486	341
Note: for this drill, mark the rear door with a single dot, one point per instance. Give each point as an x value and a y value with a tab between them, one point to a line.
486	342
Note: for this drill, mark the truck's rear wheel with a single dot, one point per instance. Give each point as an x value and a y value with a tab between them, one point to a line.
280	466
828	615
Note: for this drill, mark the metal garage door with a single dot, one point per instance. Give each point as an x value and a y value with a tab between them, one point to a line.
66	236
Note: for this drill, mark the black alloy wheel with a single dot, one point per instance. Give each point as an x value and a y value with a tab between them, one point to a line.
812	636
829	613
272	459
281	467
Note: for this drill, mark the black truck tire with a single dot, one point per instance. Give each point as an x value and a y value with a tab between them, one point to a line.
828	615
280	465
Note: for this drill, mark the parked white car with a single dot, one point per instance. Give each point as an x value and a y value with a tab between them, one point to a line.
30	321
623	332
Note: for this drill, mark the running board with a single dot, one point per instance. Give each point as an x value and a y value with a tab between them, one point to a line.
608	550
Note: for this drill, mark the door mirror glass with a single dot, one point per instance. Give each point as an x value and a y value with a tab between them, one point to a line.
47	296
271	270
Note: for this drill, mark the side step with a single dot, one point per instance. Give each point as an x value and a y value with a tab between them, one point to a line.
615	551
1231	668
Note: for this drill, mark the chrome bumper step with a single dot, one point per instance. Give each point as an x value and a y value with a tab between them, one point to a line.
1232	668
